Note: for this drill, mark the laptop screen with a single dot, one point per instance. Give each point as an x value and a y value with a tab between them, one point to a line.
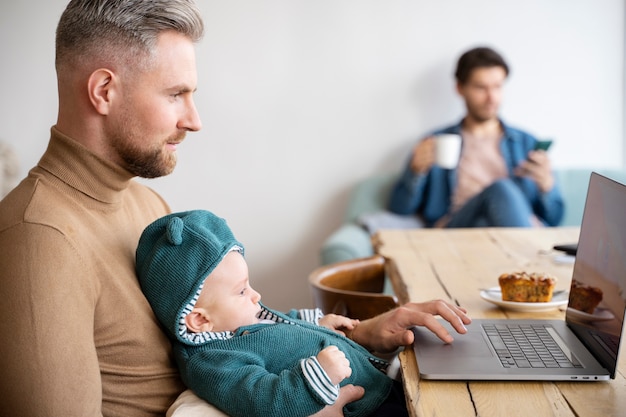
597	299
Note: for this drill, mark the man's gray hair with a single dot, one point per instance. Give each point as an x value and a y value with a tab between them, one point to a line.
93	30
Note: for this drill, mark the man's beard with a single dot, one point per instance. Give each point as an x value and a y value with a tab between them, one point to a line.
480	115
151	163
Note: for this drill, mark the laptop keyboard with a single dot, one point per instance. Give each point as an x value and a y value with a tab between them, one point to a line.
527	346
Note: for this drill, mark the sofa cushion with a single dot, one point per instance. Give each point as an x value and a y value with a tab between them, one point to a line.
574	183
370	196
383	219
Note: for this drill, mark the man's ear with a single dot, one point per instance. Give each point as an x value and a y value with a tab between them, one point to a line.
198	321
101	85
459	88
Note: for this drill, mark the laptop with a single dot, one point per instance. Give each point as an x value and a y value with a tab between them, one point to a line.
584	346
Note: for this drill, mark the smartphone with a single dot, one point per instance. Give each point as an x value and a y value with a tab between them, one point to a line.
543	145
568	248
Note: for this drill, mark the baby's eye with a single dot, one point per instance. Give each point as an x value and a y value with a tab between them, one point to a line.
243	291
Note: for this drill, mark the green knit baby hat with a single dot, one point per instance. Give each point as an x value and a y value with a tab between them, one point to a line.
174	256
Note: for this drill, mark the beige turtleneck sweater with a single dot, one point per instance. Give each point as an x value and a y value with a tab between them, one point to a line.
78	337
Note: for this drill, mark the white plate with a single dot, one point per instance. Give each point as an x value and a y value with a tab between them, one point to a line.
494	295
599	314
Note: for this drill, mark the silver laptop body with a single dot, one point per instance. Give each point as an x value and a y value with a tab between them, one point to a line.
588	343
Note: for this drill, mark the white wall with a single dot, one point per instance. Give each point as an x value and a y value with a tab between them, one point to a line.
301	98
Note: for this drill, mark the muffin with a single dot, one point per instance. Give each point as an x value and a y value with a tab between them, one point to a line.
527	287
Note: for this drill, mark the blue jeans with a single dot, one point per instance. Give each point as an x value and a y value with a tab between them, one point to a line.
502	204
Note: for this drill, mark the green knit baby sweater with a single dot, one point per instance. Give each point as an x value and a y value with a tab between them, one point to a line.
262	369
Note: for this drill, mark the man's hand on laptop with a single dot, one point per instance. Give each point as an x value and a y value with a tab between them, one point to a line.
391	330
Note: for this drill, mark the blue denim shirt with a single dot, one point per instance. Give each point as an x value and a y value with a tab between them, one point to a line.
430	194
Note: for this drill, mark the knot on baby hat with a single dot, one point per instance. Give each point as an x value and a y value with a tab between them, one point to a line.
174	256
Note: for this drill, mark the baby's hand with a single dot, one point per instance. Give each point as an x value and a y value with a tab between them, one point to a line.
338	323
335	363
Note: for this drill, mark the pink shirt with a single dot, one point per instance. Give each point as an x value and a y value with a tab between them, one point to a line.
480	165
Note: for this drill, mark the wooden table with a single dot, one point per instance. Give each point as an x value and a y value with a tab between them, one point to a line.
453	265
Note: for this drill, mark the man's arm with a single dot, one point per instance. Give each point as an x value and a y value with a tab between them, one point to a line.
549	203
47	354
408	192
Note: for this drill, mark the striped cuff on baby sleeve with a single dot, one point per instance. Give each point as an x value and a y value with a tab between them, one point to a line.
312	315
319	381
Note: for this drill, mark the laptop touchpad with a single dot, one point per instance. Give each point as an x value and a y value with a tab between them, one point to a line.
472	344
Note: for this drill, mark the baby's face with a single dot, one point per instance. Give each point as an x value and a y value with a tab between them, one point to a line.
228	297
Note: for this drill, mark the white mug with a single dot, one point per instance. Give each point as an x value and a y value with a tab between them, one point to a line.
447	150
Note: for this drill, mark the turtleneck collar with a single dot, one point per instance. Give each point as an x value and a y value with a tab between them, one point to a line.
84	171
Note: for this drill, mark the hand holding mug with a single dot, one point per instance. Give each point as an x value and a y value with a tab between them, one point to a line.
443	150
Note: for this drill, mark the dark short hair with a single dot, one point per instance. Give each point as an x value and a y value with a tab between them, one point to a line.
481	57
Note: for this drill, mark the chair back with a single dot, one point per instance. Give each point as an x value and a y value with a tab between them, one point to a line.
352	288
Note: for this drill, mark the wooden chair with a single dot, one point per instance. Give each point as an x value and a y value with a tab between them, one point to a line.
352	288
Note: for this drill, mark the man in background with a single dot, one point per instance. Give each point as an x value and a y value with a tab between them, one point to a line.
501	180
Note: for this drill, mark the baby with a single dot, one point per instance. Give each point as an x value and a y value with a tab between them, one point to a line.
234	352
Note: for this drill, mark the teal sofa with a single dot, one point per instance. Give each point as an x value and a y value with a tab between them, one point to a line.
352	240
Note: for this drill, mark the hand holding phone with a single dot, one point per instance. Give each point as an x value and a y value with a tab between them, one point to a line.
542	145
537	166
